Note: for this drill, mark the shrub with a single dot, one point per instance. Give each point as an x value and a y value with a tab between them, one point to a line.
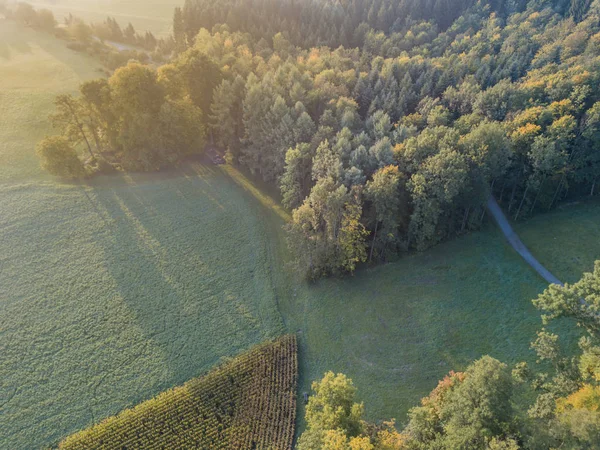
59	158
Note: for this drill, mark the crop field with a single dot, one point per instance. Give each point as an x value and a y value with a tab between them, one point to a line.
249	402
117	289
149	15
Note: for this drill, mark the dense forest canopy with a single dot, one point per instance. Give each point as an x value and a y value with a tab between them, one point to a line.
385	130
333	23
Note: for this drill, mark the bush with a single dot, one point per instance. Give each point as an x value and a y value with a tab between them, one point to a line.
59	158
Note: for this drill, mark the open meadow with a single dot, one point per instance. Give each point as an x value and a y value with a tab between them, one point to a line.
151	15
112	291
397	329
116	289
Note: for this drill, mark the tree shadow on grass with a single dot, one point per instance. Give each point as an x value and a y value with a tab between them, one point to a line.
174	274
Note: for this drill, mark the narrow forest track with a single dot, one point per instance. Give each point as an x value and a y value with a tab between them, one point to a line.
517	244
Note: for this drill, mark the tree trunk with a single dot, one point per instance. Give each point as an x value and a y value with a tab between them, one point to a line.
522	201
373	243
80	128
465	218
593	187
502	192
97	141
560	183
537	195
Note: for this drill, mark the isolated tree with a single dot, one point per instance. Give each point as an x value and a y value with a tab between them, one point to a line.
45	20
80	31
59	158
25	14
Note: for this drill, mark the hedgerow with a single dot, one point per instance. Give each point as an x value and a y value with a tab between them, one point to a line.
246	403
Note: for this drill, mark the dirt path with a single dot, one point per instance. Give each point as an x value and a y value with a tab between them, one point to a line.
517	244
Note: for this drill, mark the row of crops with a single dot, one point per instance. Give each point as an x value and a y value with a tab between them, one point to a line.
246	403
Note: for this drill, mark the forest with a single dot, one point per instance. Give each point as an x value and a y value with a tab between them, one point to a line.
383	139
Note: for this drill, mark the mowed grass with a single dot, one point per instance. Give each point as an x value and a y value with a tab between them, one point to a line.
397	329
566	240
115	291
145	15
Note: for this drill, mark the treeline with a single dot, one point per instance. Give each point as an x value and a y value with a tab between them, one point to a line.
333	23
489	406
378	155
139	119
91	38
396	144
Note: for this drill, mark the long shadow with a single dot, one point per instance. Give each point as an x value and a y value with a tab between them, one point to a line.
188	306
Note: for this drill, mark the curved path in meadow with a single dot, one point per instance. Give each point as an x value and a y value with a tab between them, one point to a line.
517	244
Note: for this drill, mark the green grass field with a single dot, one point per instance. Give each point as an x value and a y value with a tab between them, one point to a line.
150	15
33	70
397	329
114	290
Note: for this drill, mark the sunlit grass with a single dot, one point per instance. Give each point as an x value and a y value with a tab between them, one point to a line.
265	200
148	15
34	68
